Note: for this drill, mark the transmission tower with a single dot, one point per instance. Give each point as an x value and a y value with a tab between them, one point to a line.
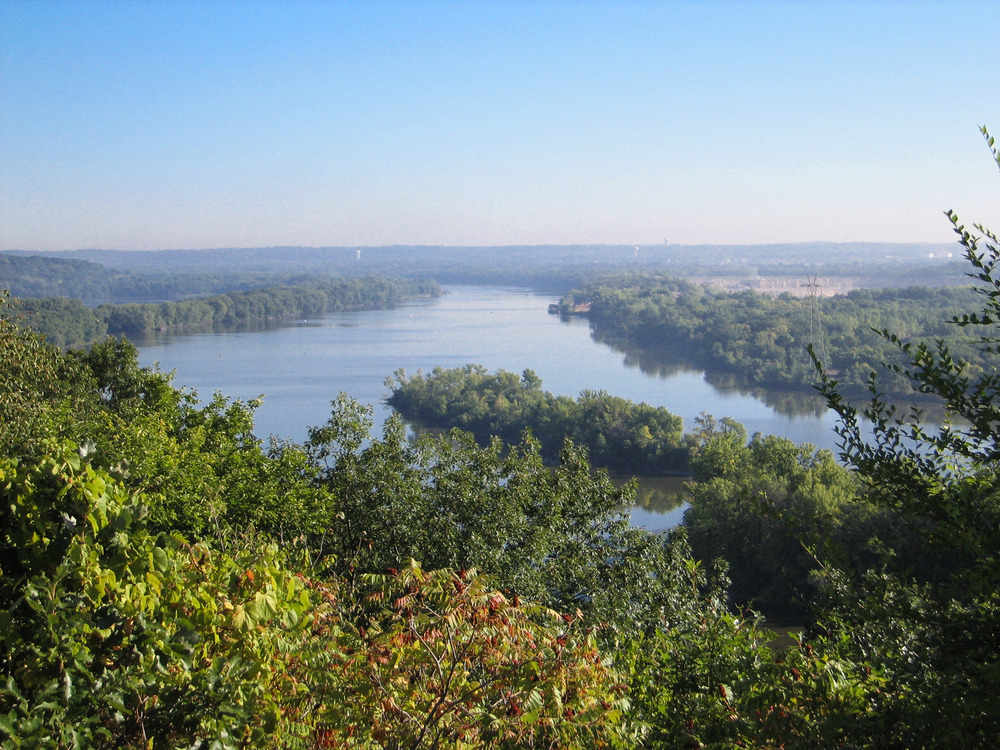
816	337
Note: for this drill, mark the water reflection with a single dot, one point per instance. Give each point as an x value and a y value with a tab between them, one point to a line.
164	337
659	494
791	403
668	361
660	502
662	362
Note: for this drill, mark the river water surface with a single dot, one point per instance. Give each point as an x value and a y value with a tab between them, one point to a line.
300	367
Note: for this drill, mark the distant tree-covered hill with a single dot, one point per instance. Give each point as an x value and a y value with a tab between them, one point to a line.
69	323
41	276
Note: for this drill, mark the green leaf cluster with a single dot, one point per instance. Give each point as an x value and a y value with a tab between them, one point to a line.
114	636
617	433
932	630
762	506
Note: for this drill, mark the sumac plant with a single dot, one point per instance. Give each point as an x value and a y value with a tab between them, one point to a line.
443	659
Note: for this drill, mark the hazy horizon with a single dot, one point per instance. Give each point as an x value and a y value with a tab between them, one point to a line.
540	246
222	124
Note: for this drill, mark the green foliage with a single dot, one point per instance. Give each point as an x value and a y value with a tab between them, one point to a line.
929	633
717	447
47	276
763	339
274	303
617	433
444	660
68	323
113	637
205	471
123	385
711	678
40	390
757	503
554	535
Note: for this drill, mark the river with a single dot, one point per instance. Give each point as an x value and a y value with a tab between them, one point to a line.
300	366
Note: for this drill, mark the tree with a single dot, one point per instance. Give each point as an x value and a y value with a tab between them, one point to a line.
444	660
41	391
555	535
617	433
934	635
755	502
531	380
111	636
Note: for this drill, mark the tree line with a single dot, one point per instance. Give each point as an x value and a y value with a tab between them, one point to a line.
753	499
70	323
550	267
765	339
43	276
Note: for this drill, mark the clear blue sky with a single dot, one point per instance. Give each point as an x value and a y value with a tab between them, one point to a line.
143	125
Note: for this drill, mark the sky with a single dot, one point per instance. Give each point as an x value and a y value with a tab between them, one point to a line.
210	123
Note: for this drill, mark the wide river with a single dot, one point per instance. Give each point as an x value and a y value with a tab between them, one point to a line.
300	367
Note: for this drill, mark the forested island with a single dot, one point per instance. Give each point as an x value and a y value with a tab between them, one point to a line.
68	322
617	433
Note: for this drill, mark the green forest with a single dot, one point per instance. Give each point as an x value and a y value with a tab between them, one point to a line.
764	339
51	275
616	433
67	322
169	580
